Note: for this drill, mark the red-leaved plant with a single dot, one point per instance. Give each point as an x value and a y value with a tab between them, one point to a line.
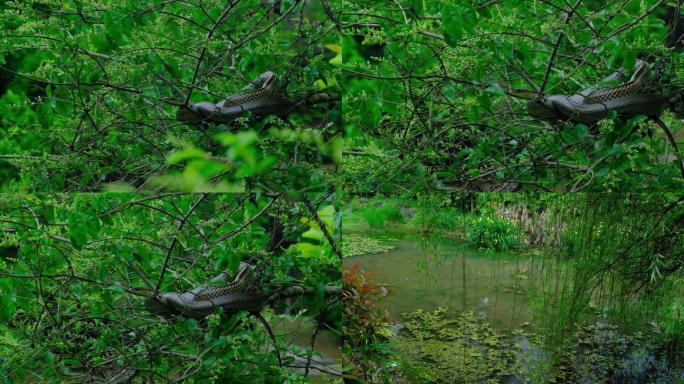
364	321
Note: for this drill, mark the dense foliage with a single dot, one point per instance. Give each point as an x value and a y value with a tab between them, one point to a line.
408	116
75	270
436	93
435	214
89	92
629	247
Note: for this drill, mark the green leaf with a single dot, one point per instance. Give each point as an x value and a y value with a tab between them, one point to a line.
185	154
337	60
452	24
155	63
370	114
496	90
314	234
77	230
308	250
191	324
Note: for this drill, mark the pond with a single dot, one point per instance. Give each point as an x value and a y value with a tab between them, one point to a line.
426	273
297	333
499	308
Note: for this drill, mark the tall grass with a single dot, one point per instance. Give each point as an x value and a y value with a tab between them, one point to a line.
615	248
492	232
378	213
435	215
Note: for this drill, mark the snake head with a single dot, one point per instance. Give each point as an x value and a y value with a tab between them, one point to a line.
244	271
266	80
157	303
641	69
541	108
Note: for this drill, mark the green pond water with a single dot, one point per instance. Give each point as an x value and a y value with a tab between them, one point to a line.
513	296
426	273
299	332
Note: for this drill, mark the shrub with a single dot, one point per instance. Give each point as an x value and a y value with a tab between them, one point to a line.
492	232
435	219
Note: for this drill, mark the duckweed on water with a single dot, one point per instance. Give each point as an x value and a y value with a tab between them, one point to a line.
355	245
438	349
602	353
435	348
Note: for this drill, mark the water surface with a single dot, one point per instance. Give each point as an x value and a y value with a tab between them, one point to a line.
425	273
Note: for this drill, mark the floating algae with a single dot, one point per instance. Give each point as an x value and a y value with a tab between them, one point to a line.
355	245
438	349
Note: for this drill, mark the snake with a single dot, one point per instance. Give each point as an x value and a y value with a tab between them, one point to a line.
239	295
593	104
259	100
122	376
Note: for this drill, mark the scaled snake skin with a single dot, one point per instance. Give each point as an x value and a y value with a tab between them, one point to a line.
200	302
258	101
593	104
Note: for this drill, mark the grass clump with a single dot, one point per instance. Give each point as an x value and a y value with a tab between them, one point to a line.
492	232
378	213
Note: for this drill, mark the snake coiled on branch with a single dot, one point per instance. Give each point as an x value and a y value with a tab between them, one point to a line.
260	100
239	295
632	98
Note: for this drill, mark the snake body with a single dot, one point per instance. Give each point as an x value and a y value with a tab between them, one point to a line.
259	101
209	112
593	104
202	301
262	88
122	376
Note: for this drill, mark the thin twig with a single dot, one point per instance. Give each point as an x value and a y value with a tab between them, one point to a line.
672	142
321	224
248	222
184	219
554	51
270	333
204	50
309	353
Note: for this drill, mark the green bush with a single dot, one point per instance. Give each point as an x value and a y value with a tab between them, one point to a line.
436	218
492	232
377	216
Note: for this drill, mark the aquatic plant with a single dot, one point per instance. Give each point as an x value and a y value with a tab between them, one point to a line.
437	349
356	244
492	232
601	353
